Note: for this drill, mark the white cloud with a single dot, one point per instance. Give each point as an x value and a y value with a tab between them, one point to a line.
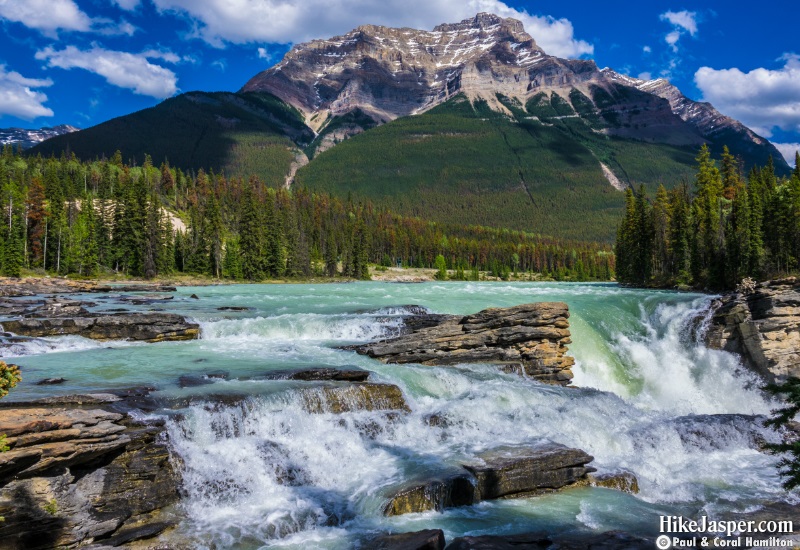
128	5
264	54
686	20
788	150
46	16
50	16
647	49
108	27
763	99
672	39
164	55
292	21
683	22
645	76
122	69
19	99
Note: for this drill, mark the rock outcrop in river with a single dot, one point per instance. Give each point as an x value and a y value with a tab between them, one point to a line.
37	318
501	473
146	327
76	474
762	325
530	338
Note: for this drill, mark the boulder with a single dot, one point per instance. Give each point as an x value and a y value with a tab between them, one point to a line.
523	471
77	474
763	326
429	539
433	494
505	472
531	338
147	327
619	481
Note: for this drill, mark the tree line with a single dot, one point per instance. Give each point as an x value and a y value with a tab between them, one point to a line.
722	229
64	216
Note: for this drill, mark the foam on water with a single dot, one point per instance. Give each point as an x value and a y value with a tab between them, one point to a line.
38	346
665	366
310	327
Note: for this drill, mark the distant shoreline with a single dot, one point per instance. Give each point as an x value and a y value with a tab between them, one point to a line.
46	284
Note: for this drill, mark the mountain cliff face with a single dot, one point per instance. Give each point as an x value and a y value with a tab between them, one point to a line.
28	138
388	73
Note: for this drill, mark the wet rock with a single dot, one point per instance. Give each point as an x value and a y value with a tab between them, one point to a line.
358	396
194	380
533	337
194	297
523	471
50	381
319	374
147	327
610	540
145	300
762	326
429	539
137	530
433	494
75	474
619	481
136	288
234	308
61	307
505	472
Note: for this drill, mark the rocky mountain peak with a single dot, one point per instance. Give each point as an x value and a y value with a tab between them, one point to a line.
378	74
488	23
388	72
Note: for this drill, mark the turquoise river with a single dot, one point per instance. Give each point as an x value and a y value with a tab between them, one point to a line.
649	399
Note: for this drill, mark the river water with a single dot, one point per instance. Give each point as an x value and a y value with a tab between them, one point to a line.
264	473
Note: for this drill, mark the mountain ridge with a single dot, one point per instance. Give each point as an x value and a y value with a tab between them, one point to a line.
371	67
28	137
470	121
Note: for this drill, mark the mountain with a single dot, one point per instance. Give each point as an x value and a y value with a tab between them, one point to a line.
472	122
26	138
387	73
247	133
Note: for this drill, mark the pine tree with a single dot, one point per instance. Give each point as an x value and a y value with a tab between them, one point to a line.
232	264
251	236
790	464
662	267
706	268
37	222
215	236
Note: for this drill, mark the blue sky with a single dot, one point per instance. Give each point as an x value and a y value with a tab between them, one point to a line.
82	62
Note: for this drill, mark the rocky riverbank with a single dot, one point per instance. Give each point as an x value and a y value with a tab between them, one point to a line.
39	317
762	324
78	472
530	339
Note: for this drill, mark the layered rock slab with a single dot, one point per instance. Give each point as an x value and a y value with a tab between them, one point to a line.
145	327
763	326
530	337
77	474
505	472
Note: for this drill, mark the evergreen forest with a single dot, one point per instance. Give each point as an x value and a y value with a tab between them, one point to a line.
62	216
722	229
